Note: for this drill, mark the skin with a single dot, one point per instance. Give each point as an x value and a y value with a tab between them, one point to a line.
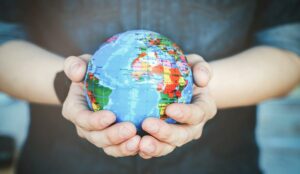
31	72
254	75
120	139
263	73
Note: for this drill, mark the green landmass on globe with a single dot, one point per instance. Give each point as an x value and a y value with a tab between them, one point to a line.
136	75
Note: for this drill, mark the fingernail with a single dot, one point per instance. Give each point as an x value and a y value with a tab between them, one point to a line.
124	132
153	128
131	145
150	148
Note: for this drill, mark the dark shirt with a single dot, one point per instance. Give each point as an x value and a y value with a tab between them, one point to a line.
213	29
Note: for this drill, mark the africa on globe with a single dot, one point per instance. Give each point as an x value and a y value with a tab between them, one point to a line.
137	74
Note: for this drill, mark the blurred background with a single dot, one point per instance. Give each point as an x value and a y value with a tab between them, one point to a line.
278	132
278	120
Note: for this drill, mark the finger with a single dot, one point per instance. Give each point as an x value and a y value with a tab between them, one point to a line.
85	57
76	111
186	113
207	104
127	148
172	134
144	156
112	135
74	102
79	132
194	58
90	121
151	147
75	68
202	72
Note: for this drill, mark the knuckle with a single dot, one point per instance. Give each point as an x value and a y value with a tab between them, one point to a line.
212	108
187	116
203	113
109	136
67	107
133	154
158	153
65	110
200	117
145	156
197	137
197	113
179	144
113	151
214	112
166	151
108	152
79	133
183	138
71	106
95	140
123	151
198	134
77	120
198	57
165	133
92	138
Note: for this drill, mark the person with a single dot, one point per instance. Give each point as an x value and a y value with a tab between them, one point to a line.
240	73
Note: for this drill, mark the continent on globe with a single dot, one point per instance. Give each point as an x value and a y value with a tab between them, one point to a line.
98	90
137	74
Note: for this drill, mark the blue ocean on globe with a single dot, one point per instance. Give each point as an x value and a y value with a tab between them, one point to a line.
137	74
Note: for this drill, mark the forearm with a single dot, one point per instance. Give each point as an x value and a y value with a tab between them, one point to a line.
253	76
27	72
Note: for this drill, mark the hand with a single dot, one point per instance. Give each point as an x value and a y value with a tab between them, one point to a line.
97	127
166	137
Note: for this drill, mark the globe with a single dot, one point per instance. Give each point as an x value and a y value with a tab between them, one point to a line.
137	74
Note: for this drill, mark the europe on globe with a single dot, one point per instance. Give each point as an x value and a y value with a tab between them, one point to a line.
137	74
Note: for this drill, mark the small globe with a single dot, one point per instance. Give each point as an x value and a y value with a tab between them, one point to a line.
137	74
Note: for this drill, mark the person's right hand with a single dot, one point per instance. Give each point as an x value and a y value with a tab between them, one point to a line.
118	139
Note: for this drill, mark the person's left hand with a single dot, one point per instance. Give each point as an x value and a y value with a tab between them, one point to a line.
99	128
164	137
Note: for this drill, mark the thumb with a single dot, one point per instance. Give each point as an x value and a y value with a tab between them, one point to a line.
202	72
75	67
